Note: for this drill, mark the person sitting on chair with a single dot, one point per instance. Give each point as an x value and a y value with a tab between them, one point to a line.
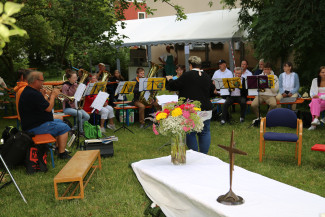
107	112
288	84
269	94
140	105
246	72
236	96
36	113
317	93
69	88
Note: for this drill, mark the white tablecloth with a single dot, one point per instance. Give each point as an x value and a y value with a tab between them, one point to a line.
192	190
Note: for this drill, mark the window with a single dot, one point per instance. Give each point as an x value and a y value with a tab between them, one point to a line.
141	15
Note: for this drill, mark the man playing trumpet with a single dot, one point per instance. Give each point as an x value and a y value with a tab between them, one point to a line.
36	113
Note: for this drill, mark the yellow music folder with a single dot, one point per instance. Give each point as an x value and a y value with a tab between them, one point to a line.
156	84
232	82
271	81
128	87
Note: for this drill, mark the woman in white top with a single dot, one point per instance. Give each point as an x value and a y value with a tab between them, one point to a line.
288	84
317	93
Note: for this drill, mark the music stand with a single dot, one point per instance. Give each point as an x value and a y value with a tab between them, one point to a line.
99	90
150	85
259	82
124	87
12	179
80	92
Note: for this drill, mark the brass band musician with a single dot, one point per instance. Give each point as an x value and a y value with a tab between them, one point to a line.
69	88
36	113
137	102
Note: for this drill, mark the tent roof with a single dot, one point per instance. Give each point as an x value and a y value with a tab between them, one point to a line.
211	26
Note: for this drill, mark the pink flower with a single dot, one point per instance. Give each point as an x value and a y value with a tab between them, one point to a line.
186	129
186	114
182	106
154	129
188	106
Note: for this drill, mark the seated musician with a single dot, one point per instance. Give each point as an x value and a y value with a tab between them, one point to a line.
236	96
288	84
107	112
69	108
36	113
22	83
140	74
269	94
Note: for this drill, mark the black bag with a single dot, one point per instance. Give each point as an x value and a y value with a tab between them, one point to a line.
36	159
9	131
14	149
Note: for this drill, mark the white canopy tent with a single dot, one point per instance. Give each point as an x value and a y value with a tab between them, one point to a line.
204	27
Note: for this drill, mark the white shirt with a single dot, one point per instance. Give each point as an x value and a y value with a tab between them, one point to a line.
247	73
288	81
219	74
164	56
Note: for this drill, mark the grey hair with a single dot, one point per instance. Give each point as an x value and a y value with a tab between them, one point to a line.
33	76
261	61
101	64
195	61
239	68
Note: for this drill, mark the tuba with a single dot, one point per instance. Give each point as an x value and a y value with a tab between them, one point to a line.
84	76
152	73
106	75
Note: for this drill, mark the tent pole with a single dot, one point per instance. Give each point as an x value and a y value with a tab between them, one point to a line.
187	55
149	55
231	59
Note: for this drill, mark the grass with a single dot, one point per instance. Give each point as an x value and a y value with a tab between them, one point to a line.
115	190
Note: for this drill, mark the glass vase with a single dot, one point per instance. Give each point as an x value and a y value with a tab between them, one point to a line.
178	149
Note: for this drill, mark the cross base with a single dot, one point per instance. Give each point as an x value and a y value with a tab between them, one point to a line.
230	199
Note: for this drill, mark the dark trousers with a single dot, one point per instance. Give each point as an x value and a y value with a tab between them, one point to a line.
231	100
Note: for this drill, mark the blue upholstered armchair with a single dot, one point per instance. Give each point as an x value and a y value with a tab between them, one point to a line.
281	117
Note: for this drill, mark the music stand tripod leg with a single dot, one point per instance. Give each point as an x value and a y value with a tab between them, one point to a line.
12	178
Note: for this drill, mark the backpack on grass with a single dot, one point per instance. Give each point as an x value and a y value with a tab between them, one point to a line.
15	147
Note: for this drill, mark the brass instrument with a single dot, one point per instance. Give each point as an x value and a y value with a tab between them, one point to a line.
61	96
84	76
152	73
106	75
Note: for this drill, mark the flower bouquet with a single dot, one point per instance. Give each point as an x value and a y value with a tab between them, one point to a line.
175	121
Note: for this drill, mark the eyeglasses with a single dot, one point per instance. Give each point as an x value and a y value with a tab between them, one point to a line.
41	80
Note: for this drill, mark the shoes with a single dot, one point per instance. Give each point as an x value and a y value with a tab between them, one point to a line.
222	122
322	120
64	155
103	130
315	122
141	126
111	126
242	120
312	127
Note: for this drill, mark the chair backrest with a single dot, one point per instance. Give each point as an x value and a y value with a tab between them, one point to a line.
281	117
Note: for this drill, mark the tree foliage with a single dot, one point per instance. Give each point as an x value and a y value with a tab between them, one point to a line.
279	28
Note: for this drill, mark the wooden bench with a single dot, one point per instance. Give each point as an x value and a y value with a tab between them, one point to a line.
45	139
75	171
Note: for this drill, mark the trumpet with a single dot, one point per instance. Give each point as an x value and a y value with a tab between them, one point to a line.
61	96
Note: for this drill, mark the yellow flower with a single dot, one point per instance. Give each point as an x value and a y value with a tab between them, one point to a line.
197	109
161	115
177	112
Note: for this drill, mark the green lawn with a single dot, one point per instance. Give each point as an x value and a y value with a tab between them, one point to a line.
115	190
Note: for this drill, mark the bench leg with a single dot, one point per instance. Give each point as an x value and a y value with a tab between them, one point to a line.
52	157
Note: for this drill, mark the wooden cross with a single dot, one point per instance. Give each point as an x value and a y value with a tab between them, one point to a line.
231	198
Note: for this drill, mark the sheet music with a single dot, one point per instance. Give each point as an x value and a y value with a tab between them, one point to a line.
163	99
146	95
120	96
89	88
224	92
99	100
141	83
119	87
79	92
218	83
252	92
